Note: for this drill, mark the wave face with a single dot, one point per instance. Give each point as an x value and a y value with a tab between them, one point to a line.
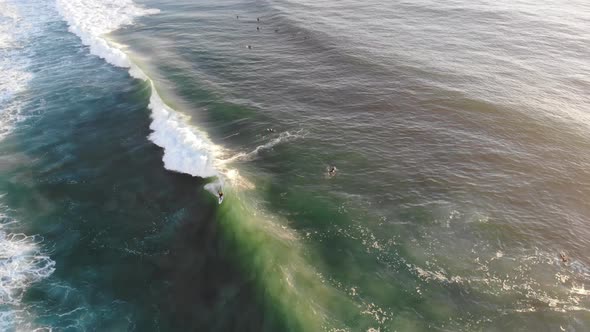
186	149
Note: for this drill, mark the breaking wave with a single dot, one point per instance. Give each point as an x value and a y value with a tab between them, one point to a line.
186	149
282	137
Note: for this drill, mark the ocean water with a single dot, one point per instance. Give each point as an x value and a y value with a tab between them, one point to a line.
460	131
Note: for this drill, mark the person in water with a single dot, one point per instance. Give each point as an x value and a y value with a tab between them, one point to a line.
220	193
564	257
332	171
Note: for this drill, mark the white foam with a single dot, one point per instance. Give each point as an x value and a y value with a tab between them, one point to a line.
91	20
13	81
580	290
186	149
21	264
14	78
9	16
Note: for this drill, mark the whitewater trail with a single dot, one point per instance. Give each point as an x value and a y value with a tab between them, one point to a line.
281	138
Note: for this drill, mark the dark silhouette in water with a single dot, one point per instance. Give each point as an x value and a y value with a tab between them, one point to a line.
332	171
237	17
564	257
258	28
258	19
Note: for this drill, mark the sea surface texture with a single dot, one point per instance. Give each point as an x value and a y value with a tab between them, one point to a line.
459	131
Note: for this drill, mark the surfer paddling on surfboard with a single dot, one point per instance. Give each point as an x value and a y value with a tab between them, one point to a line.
220	193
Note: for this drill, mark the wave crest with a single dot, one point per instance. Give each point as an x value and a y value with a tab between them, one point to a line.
91	20
186	149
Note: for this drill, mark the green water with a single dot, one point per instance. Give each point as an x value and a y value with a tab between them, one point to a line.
453	198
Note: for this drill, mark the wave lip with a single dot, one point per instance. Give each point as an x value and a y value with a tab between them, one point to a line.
281	138
186	149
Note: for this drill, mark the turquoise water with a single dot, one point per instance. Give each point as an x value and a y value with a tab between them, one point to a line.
459	131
